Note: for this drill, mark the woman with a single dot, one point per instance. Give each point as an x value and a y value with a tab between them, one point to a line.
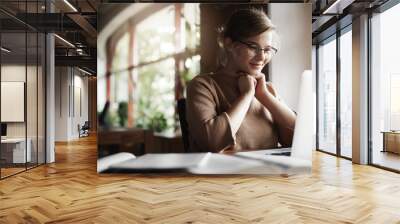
234	109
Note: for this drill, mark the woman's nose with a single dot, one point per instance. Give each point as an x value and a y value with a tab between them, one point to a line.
261	55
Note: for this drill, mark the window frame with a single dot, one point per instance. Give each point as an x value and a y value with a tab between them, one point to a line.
179	57
335	36
42	38
378	10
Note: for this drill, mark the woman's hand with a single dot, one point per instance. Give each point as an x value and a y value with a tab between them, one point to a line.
247	84
238	110
263	89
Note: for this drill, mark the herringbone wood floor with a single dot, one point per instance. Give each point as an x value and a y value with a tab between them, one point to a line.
70	191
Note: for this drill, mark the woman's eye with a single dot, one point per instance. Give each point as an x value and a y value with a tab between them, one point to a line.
253	47
268	50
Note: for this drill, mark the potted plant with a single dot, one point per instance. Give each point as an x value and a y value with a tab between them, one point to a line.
123	113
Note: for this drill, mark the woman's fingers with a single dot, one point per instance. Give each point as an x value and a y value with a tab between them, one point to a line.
256	78
242	73
259	76
271	88
246	83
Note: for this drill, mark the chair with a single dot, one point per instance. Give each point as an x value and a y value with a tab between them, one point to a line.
183	122
84	130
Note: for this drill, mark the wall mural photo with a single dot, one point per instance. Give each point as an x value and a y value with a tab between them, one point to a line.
204	88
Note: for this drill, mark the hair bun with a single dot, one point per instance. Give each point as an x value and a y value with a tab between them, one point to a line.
220	36
220	29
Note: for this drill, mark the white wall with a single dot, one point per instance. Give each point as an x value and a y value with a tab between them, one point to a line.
33	126
61	103
81	104
293	21
71	94
12	73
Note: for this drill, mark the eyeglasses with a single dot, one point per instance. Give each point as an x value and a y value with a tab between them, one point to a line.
255	49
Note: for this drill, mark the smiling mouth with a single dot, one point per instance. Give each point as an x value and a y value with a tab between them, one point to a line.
256	65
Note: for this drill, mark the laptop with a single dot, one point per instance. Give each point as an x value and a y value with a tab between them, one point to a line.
303	143
296	159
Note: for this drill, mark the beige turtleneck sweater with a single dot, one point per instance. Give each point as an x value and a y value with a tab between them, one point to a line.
208	98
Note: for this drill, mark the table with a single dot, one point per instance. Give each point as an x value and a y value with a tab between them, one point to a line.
116	140
259	162
13	150
391	141
165	143
136	141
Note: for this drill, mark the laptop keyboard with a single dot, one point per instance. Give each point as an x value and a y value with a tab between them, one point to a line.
279	153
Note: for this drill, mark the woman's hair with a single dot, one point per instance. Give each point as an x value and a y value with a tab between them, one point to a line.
245	23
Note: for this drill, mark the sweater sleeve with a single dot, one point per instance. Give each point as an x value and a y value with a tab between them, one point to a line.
209	130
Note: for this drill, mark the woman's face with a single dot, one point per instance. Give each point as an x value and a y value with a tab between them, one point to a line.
250	55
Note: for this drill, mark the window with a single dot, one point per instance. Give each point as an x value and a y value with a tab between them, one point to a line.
119	64
155	36
22	67
153	60
335	74
394	101
327	96
155	92
346	94
385	88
